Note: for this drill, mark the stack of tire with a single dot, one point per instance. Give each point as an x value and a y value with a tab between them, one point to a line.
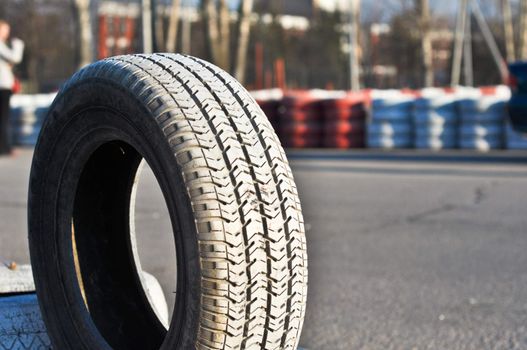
269	101
390	125
514	139
300	120
27	115
435	120
344	121
482	122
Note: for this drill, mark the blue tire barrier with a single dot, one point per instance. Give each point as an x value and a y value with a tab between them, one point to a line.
436	137
424	139
389	142
484	109
27	115
514	139
446	130
468	130
482	144
384	128
434	117
385	134
482	122
436	121
436	143
391	124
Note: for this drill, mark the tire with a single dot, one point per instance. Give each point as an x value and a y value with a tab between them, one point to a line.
481	130
482	144
383	128
300	129
391	116
442	102
387	142
482	117
344	127
307	141
270	109
293	115
435	143
434	117
234	207
343	141
447	130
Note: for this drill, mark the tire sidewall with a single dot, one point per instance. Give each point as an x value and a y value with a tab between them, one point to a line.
70	133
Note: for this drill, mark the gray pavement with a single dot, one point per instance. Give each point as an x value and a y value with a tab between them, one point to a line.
407	250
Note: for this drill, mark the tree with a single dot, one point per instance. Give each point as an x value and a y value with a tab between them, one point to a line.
354	44
244	27
85	34
508	30
217	33
423	11
403	49
173	23
523	30
224	30
216	20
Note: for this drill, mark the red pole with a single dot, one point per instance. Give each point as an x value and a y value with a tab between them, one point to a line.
116	33
268	79
280	73
103	34
129	33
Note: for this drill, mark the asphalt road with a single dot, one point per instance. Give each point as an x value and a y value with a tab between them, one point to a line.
406	250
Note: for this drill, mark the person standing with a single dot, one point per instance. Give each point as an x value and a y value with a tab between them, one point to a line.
10	54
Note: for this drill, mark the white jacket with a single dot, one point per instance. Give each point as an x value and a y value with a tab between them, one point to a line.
9	56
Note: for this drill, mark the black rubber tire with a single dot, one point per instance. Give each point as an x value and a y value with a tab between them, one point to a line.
236	216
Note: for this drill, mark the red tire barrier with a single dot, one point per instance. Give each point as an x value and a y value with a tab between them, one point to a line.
301	100
301	142
344	121
270	108
300	128
355	112
344	127
341	141
300	114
